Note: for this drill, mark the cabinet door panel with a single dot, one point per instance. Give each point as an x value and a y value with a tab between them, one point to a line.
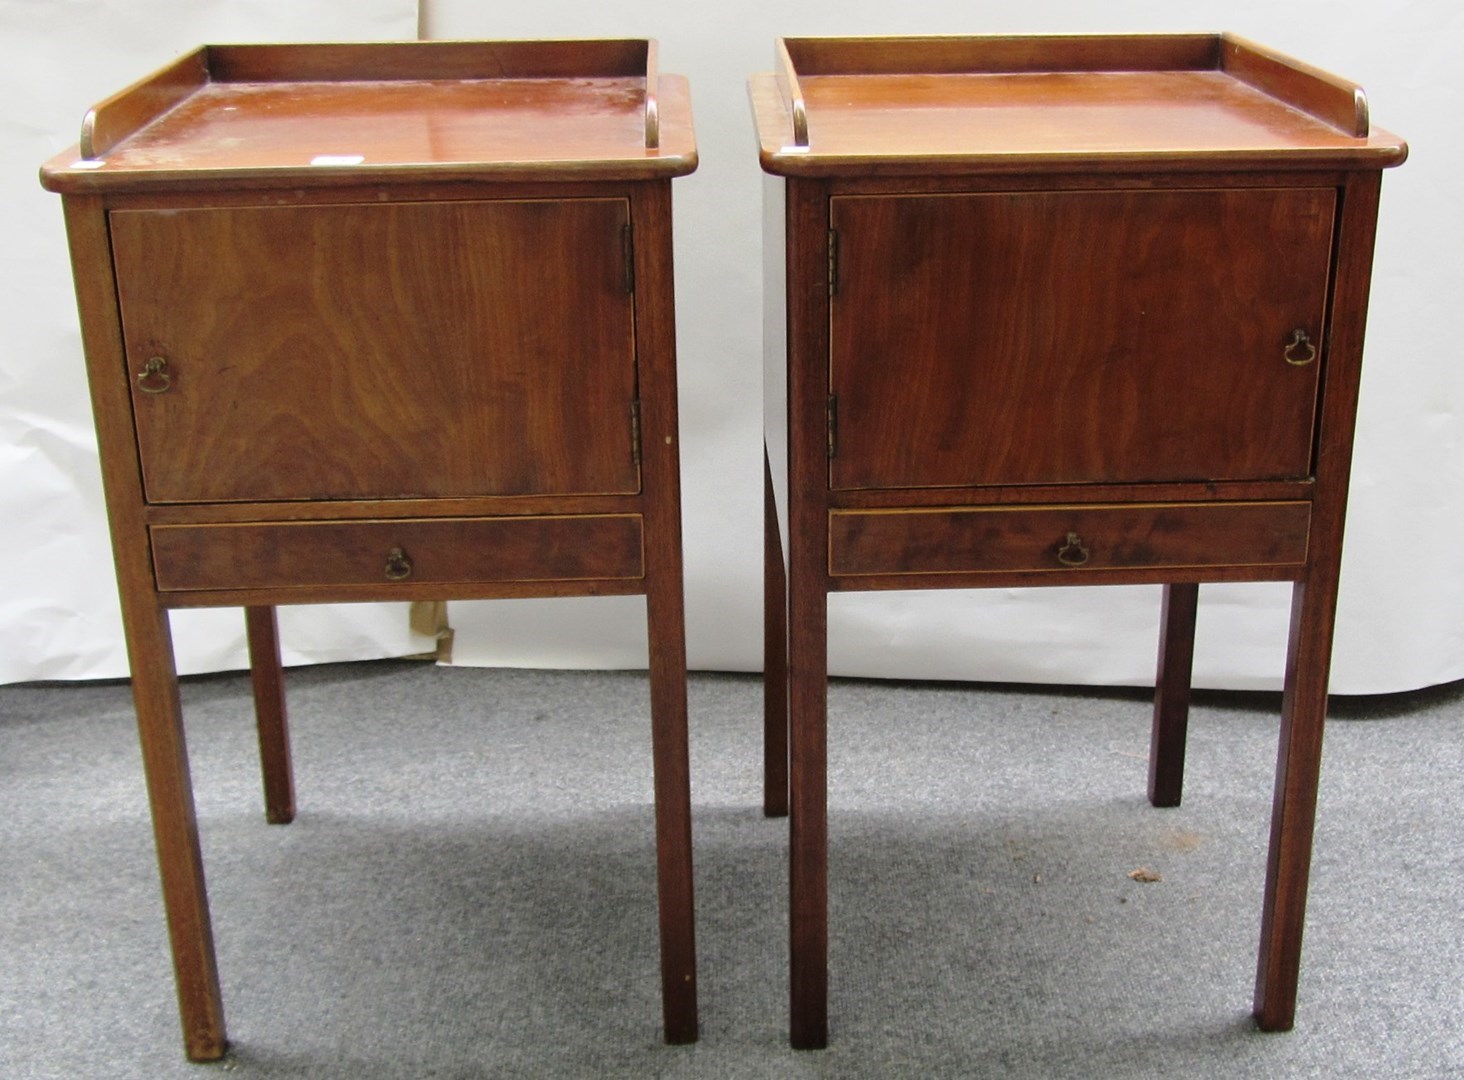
1076	337
380	350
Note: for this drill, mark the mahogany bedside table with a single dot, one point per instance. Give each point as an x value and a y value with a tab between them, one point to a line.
1059	311
384	322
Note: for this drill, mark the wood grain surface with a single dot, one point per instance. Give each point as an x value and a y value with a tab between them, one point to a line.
384	322
325	115
275	555
921	106
392	350
1039	293
1003	539
1030	338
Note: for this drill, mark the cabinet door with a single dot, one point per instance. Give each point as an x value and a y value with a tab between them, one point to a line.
380	350
1072	337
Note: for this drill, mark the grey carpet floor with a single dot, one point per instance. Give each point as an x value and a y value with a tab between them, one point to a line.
468	888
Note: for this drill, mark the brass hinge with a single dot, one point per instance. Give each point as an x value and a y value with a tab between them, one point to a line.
635	432
833	424
833	261
627	249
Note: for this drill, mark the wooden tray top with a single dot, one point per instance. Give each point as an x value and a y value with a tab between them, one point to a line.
892	106
312	115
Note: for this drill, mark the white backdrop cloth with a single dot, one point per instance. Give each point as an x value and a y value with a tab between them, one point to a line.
1401	615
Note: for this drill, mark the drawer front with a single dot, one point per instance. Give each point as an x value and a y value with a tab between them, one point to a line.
433	349
1077	337
442	551
1061	538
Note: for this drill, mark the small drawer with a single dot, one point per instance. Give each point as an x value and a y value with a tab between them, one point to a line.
265	555
955	540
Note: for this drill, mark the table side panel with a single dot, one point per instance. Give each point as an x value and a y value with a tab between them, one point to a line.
775	345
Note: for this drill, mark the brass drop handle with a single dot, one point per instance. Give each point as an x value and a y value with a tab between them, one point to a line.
398	566
154	377
1299	340
1072	552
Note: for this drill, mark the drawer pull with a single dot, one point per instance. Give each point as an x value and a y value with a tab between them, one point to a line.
1072	552
1299	340
398	566
154	377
